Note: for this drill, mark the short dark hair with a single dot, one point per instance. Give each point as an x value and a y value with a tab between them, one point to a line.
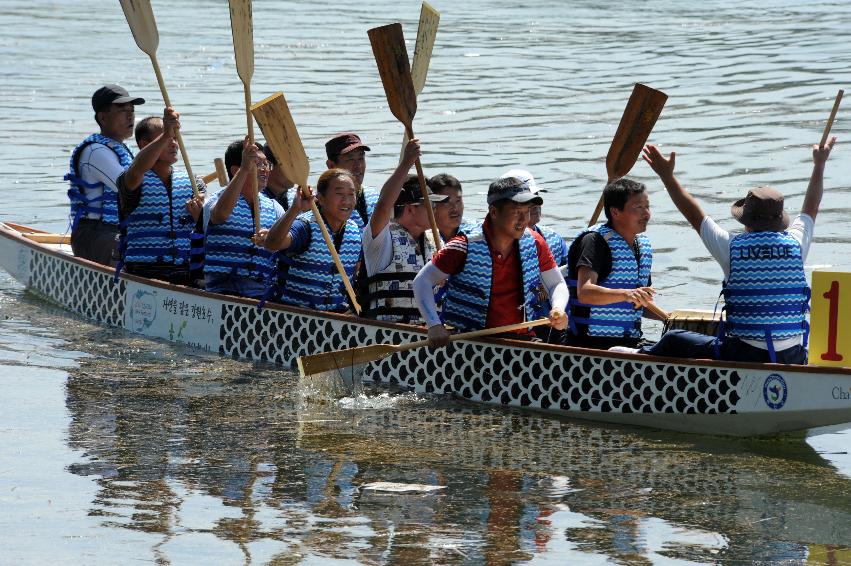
618	192
146	126
442	181
233	155
328	176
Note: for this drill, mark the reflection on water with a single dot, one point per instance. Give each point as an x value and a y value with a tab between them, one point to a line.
225	462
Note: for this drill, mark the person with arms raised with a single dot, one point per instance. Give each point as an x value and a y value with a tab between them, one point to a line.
765	287
306	275
158	211
495	275
96	163
235	262
397	243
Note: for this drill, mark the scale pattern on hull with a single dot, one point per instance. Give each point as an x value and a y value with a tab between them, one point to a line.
566	382
87	292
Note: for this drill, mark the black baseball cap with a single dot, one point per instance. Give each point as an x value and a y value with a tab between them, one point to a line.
411	193
113	94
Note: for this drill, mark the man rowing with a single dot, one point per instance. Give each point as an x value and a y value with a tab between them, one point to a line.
306	273
496	274
554	241
235	264
157	205
397	243
765	287
608	272
347	151
449	213
95	165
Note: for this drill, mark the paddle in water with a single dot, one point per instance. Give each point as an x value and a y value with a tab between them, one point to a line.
640	115
140	18
281	134
242	30
388	46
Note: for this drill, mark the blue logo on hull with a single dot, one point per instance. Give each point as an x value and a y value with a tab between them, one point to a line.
774	391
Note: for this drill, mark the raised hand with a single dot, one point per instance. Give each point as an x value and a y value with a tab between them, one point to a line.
171	122
662	166
821	153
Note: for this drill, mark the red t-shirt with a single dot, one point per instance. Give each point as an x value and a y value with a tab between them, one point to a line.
506	299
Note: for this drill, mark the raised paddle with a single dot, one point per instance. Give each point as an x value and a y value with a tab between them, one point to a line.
641	112
426	32
281	134
832	117
388	46
243	50
219	173
330	361
140	18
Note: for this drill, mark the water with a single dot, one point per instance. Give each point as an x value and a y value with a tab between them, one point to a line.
119	449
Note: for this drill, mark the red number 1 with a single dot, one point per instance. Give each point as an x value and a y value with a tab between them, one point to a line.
833	296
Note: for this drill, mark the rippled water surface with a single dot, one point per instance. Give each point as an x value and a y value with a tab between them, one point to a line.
118	449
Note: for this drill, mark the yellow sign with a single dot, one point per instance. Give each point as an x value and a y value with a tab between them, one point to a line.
830	332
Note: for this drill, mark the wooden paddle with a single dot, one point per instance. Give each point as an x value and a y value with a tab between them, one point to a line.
832	117
388	46
426	32
641	112
330	361
243	50
219	173
281	134
140	18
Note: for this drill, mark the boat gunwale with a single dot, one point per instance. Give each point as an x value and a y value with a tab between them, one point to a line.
10	230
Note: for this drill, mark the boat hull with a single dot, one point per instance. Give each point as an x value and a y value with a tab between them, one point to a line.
703	397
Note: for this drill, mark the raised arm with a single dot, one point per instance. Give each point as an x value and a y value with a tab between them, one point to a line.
815	190
150	152
664	168
227	199
278	237
392	187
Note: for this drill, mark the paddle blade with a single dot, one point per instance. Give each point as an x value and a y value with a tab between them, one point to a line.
140	18
243	38
426	33
641	112
279	129
388	46
341	359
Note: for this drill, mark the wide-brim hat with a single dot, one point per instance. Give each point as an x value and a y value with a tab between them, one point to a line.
761	210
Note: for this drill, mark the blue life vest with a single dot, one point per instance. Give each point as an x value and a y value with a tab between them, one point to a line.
616	320
107	203
365	206
310	279
766	295
229	248
283	199
468	293
555	242
158	230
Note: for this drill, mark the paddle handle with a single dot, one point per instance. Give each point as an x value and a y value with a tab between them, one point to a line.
182	147
330	243
662	315
477	333
598	209
249	119
210	177
221	171
424	191
832	117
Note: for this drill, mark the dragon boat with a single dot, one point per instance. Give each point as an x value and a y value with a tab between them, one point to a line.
693	396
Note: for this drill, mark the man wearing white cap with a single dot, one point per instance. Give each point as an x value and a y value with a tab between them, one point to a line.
495	273
554	240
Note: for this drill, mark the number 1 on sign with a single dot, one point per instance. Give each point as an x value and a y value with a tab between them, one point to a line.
833	315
